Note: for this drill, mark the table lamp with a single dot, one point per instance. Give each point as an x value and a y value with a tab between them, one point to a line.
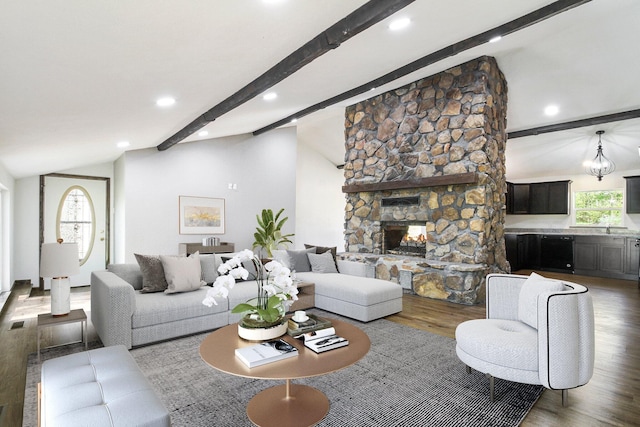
59	261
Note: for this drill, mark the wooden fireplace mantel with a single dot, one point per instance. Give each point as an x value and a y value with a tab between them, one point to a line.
434	181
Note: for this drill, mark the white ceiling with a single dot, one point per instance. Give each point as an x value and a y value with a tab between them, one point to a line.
77	77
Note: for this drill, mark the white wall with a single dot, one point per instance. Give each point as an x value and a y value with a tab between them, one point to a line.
583	182
319	200
7	185
263	168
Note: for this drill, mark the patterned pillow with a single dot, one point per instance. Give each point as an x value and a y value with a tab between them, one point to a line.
153	279
248	265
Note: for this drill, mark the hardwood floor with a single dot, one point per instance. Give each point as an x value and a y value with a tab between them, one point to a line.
611	398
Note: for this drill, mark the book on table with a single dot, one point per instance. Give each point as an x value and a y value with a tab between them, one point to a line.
266	352
324	340
313	323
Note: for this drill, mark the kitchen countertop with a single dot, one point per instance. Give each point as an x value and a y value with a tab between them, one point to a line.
578	231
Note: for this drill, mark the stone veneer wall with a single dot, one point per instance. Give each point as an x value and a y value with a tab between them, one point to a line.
448	125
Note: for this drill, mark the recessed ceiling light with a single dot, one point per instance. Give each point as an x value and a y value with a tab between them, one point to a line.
270	96
203	133
551	110
495	39
399	24
123	144
294	120
165	102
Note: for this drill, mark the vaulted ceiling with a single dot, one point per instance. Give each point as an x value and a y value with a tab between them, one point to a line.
78	77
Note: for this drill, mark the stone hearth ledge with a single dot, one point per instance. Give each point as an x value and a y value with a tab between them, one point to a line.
451	281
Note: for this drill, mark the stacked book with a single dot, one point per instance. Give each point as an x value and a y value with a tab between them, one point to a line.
324	340
266	352
313	323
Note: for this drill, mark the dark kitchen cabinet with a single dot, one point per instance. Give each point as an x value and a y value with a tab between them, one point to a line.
540	198
633	194
603	256
632	257
523	251
517	198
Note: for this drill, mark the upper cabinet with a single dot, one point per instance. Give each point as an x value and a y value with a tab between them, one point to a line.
540	198
633	194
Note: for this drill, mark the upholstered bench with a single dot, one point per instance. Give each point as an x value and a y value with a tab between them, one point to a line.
101	387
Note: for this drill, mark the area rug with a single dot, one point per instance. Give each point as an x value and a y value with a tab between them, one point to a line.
408	378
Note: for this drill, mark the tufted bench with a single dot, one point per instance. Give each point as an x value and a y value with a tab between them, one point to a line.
102	387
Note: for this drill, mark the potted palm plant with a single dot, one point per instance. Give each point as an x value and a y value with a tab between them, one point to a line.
268	235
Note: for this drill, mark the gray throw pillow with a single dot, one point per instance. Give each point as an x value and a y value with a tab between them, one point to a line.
323	249
208	267
152	273
183	274
298	260
322	263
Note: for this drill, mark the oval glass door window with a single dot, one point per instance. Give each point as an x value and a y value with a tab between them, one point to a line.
75	222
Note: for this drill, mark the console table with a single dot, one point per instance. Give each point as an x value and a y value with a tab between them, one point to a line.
190	248
288	404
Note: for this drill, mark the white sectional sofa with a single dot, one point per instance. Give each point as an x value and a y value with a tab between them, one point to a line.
349	293
121	314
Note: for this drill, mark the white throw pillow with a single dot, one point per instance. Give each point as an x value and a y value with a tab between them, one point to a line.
322	263
282	257
183	274
528	298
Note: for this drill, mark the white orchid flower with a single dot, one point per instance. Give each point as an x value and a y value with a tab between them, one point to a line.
239	273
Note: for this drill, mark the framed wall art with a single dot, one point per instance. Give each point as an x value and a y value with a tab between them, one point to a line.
201	215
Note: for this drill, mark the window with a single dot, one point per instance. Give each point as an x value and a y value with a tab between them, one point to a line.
76	221
599	208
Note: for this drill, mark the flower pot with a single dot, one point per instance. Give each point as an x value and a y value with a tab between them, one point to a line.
253	329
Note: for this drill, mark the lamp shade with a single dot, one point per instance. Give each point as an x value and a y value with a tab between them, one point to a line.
59	260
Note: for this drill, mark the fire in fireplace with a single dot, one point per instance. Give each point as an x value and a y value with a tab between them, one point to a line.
404	238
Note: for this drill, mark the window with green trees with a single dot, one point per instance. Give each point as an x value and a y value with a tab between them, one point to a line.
599	208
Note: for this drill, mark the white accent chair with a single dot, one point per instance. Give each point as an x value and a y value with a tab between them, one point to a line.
537	331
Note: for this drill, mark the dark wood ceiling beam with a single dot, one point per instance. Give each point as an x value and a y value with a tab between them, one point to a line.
359	20
608	118
525	21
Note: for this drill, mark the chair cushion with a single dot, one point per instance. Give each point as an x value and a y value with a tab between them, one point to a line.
156	308
507	343
528	299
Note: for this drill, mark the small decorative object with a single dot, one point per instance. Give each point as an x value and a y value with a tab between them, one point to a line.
264	316
600	165
268	235
59	261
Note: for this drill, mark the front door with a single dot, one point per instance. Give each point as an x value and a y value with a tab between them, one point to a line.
75	208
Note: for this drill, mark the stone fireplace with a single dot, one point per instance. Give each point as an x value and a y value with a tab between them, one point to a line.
425	185
404	238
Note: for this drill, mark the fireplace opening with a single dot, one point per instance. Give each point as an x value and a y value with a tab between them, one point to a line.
404	238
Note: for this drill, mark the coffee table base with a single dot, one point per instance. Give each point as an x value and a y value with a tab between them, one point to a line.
288	405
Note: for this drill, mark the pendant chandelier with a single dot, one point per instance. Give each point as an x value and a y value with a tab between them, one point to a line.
600	165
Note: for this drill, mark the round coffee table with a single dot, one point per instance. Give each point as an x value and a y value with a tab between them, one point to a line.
294	404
